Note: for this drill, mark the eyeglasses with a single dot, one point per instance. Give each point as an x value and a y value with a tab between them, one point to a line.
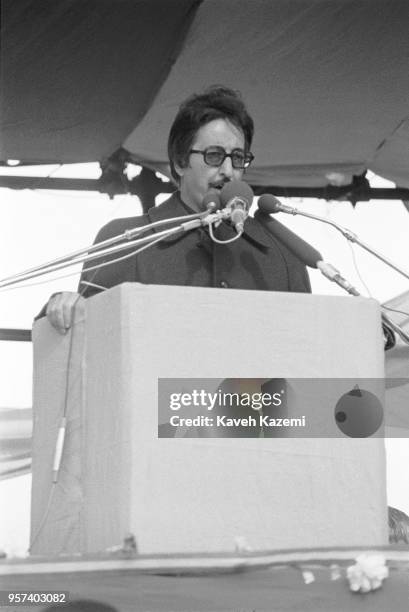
215	156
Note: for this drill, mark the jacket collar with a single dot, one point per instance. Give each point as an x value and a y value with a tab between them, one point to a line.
174	207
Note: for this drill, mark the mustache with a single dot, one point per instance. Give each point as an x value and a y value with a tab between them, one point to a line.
219	184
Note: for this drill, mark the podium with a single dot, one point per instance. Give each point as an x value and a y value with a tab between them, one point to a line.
190	494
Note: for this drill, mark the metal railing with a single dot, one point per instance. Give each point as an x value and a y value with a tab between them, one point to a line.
15	335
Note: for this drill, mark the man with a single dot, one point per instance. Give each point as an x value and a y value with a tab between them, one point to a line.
209	145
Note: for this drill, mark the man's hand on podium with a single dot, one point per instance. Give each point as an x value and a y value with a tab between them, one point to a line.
60	309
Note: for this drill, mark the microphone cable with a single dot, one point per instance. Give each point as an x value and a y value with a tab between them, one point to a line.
62	429
213	237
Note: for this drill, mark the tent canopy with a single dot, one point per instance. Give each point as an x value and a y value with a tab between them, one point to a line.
325	80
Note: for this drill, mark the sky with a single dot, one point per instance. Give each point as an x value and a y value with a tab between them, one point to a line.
40	225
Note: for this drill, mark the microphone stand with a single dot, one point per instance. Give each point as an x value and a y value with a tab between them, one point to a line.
352	237
332	274
348	234
127	235
89	254
313	258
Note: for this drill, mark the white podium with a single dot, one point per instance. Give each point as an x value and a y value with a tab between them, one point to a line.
185	495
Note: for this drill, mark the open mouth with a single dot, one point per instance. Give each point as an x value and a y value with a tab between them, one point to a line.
219	186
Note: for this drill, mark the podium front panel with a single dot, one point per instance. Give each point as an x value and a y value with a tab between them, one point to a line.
200	494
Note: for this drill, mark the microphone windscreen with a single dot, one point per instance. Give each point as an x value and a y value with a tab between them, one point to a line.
304	251
236	189
211	201
268	204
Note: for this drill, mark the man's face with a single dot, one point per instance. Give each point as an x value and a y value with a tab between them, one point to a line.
197	178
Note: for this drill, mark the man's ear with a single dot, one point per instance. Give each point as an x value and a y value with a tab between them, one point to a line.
179	170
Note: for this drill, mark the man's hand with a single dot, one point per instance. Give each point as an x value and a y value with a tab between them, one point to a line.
60	309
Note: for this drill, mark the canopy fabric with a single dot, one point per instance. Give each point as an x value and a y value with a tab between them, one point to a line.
325	80
78	75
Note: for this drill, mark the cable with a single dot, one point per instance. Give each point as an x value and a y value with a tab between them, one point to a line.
37	283
127	234
65	262
100	287
44	518
213	237
357	269
59	445
95	268
163	234
395	310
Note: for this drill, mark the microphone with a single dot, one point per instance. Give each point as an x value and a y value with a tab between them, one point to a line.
237	197
211	201
299	247
269	204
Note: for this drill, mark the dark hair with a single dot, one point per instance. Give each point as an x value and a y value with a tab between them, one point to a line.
216	102
398	526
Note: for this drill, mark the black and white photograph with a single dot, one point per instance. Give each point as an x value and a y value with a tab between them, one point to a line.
204	305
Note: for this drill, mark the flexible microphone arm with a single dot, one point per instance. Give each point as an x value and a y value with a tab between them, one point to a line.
303	250
211	202
70	257
193	222
333	274
348	234
313	258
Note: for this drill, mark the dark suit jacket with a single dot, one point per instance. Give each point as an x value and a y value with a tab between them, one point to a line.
255	261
